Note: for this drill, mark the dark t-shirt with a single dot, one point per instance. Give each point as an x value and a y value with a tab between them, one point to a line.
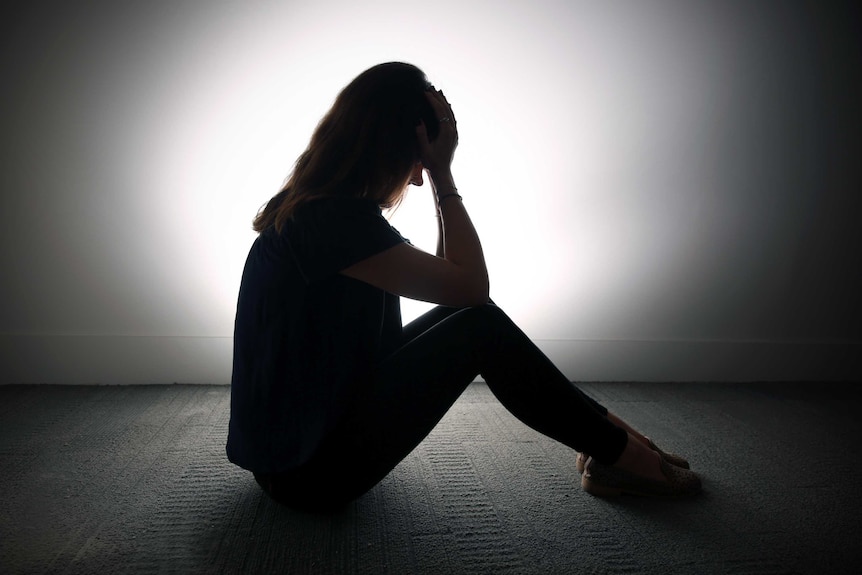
306	338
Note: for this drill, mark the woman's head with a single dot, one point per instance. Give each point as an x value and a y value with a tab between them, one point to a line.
365	146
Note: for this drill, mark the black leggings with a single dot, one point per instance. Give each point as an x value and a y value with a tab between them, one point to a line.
444	351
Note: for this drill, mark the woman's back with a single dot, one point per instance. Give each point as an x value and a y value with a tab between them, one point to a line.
306	336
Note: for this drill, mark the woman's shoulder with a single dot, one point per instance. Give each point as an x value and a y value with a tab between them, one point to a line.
331	220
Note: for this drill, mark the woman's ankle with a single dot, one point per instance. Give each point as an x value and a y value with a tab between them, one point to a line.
629	429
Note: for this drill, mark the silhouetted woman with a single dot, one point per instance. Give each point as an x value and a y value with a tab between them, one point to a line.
329	391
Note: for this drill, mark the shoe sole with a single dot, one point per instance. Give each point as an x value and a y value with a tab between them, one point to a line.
606	492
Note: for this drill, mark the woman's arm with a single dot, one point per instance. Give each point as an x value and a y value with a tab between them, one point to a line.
441	252
457	276
459	279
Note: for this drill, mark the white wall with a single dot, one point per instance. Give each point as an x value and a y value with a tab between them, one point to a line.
665	190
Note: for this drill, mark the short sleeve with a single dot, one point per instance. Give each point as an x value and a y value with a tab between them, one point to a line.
327	236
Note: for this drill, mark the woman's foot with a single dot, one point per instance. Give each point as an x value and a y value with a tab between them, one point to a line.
671	458
639	471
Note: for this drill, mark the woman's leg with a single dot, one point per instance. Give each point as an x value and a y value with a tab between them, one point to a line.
415	387
437	314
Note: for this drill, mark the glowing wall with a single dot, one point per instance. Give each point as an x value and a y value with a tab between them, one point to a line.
665	190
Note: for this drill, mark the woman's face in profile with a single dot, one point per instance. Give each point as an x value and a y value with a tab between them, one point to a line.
416	175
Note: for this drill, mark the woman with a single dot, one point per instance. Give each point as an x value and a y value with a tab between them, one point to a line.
329	392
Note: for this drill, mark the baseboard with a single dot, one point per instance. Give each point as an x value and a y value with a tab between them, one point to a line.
705	360
130	360
115	360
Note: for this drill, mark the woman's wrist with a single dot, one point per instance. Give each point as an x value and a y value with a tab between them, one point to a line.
442	181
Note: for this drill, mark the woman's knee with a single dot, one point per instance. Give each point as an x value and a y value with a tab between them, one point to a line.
489	314
489	311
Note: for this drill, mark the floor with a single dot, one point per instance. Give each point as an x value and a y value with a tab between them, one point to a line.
133	479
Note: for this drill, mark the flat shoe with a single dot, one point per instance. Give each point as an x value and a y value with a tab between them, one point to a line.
581	461
606	481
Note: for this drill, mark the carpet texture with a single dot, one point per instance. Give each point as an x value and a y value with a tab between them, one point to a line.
110	479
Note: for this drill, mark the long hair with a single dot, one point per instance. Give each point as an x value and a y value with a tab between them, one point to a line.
364	147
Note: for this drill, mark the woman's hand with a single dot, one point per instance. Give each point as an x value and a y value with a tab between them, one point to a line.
437	156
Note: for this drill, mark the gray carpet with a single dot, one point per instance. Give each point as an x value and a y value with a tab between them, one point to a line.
134	480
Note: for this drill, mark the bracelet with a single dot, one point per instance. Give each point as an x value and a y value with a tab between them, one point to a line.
449	195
